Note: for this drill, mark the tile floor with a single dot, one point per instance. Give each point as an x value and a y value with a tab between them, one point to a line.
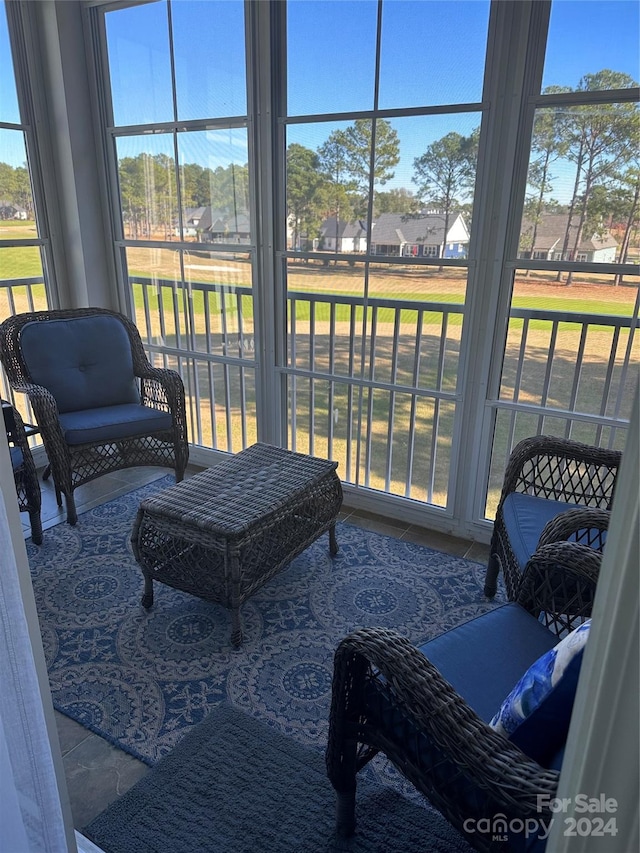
96	771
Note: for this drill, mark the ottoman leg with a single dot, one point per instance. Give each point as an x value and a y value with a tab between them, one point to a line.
147	596
333	542
236	628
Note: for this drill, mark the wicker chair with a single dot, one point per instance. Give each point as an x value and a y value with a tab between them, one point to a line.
555	491
24	470
428	709
98	402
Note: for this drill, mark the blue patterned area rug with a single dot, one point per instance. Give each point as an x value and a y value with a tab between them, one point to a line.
142	678
234	785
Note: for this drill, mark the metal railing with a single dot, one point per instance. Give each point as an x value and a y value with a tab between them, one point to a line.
564	373
374	383
365	378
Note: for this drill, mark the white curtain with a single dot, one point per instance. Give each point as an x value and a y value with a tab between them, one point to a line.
31	817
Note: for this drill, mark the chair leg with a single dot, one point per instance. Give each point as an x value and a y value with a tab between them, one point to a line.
72	515
491	578
36	527
345	813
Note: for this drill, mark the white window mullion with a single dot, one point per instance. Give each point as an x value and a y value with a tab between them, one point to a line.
515	60
266	150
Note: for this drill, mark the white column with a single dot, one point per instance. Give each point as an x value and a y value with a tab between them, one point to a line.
34	809
603	748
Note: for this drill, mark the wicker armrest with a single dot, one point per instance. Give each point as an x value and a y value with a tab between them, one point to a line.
14	426
162	385
45	409
589	523
489	760
536	465
560	581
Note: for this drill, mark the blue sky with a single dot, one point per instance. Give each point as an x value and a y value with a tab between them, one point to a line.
432	53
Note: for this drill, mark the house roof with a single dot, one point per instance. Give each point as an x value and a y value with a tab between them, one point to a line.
551	230
344	229
426	228
220	221
231	223
5	203
193	214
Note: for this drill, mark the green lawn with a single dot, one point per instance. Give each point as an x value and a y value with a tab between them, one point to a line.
387	315
19	262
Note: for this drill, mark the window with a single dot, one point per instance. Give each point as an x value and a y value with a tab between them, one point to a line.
185	235
580	225
346	309
360	336
24	247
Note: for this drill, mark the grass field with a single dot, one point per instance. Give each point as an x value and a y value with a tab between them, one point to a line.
225	392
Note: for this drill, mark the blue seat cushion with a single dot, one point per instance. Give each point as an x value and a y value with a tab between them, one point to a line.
16	457
525	517
111	423
85	362
482	659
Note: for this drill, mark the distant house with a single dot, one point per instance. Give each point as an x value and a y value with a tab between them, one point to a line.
217	226
11	210
420	235
341	236
396	234
549	240
192	217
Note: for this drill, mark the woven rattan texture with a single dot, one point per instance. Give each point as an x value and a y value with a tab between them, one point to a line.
247	488
462	765
73	465
225	532
561	470
25	476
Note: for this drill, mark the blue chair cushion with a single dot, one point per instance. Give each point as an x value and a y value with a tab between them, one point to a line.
536	713
483	658
525	517
480	659
85	362
111	423
16	457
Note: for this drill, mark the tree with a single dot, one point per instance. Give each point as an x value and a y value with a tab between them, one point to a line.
398	200
132	193
548	144
630	200
15	186
338	186
194	184
358	140
616	206
22	190
346	159
304	185
228	188
600	140
445	173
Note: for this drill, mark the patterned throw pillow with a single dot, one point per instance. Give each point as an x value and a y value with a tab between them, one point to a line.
536	714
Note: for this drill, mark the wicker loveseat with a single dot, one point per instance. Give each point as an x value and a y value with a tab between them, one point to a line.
99	404
556	493
427	709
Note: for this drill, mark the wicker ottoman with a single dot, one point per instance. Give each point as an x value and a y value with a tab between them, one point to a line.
223	533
